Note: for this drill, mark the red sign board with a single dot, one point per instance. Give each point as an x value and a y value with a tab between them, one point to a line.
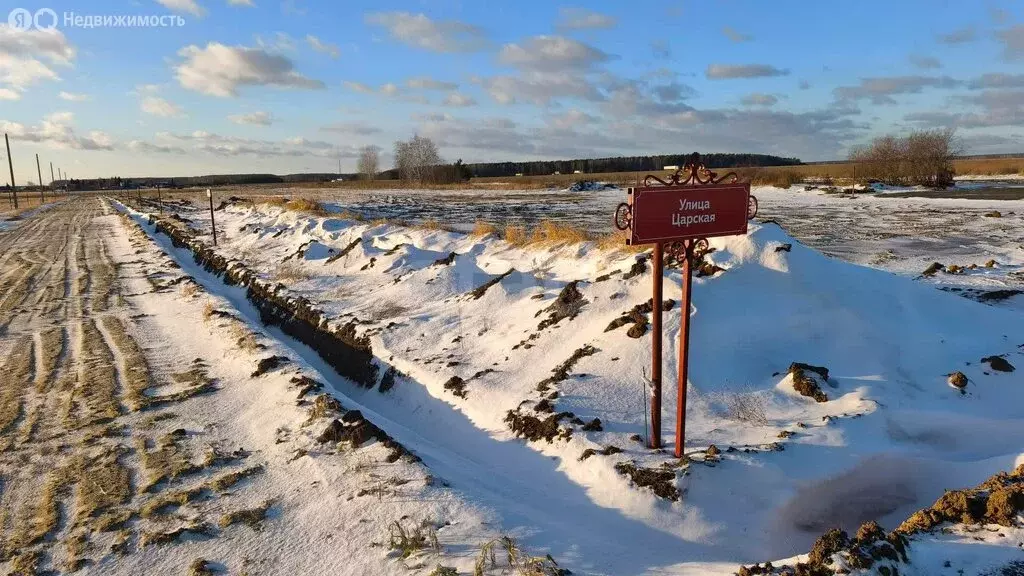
671	213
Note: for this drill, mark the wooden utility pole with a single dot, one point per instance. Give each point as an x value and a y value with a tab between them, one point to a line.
51	174
42	195
213	223
10	164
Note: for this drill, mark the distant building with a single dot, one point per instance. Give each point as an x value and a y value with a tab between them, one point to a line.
557	172
577	171
671	168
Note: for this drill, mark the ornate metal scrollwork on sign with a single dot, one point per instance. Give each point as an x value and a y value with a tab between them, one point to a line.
695	174
623	216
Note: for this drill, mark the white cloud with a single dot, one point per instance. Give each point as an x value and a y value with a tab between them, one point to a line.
8	94
435	35
759	99
72	97
389	89
279	42
735	35
572	119
1012	40
551	53
315	43
143	147
661	49
583	19
959	36
247	3
183	7
26	56
427	83
356	128
457	100
254	118
358	87
539	88
157	106
210	143
220	70
925	62
729	71
56	131
880	90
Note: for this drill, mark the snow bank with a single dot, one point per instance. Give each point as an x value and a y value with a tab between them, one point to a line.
497	323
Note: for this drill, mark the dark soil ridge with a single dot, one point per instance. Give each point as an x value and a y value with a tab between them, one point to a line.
350	355
544	423
295	317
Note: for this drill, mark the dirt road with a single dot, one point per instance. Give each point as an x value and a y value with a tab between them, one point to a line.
133	438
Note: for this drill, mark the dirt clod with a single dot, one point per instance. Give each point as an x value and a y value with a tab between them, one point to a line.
457	386
533	428
999	364
593	426
267	364
806	384
932	269
958	380
661	481
568	305
479	292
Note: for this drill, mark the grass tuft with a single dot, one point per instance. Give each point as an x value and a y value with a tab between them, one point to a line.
481	229
414	539
251	517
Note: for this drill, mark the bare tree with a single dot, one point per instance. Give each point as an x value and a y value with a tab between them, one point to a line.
921	157
369	161
416	158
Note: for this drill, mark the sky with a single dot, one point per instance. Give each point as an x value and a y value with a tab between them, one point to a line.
287	86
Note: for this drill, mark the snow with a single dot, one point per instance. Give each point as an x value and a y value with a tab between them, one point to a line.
892	437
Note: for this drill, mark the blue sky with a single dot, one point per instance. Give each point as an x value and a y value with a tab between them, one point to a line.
293	85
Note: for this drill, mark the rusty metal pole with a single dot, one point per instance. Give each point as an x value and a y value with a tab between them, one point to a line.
213	223
684	347
10	164
656	307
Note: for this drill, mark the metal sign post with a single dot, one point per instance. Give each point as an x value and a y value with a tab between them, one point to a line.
677	217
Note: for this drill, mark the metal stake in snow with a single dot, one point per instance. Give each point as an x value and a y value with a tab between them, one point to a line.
213	223
678	216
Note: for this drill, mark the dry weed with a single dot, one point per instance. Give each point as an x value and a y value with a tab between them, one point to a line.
291	271
548	233
515	559
251	517
244	338
414	539
516	235
749	406
481	229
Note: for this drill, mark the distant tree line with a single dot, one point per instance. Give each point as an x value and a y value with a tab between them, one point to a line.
418	160
624	164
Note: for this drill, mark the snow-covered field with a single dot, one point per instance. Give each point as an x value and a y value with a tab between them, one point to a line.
487	337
